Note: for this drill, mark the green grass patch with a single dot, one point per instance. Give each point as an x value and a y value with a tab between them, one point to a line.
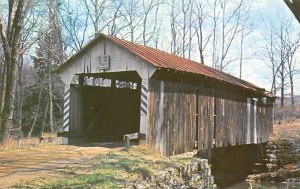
113	170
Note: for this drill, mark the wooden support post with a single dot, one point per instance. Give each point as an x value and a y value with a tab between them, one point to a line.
66	114
209	155
196	145
129	137
127	142
144	106
81	79
248	128
255	137
215	119
113	83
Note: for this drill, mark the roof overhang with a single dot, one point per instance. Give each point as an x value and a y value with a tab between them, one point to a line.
294	6
166	61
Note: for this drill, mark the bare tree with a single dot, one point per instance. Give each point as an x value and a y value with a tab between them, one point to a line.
281	69
32	26
241	51
185	8
292	72
174	37
148	7
115	27
95	10
37	111
229	28
132	12
292	45
215	18
74	24
201	17
182	32
282	41
49	56
269	52
10	35
2	77
246	30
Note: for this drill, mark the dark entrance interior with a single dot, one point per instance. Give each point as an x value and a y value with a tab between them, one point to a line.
109	106
109	113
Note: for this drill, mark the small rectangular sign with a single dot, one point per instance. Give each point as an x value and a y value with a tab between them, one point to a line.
104	62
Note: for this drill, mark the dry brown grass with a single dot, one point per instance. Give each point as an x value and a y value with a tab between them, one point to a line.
288	131
26	143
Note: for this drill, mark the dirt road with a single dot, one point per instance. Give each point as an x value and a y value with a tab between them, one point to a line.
22	165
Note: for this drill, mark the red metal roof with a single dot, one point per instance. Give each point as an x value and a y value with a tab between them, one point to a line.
166	60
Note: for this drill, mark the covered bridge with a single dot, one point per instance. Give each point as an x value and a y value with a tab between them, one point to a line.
114	87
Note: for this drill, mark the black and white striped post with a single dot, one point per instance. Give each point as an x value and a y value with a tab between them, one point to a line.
144	106
66	115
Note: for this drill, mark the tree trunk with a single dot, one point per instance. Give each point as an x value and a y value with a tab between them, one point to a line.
190	31
8	108
45	116
19	105
3	88
50	101
282	86
173	31
36	113
274	89
19	96
241	53
223	37
10	37
214	45
292	93
282	66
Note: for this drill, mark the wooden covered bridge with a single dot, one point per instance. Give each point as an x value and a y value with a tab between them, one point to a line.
114	87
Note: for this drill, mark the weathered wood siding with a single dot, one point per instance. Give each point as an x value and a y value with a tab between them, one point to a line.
205	118
264	121
231	119
171	122
223	118
76	121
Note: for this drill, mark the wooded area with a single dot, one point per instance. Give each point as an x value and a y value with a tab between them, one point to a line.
36	36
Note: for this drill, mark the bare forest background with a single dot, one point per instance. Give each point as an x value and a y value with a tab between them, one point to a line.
36	36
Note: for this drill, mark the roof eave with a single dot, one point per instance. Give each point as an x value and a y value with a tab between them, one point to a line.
294	6
69	61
